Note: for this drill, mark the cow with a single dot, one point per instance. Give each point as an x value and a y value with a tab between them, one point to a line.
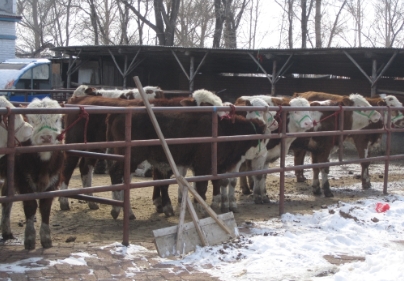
35	172
196	156
322	146
96	133
364	143
152	92
22	129
297	121
225	195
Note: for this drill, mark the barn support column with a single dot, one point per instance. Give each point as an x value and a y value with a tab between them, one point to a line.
73	67
375	76
127	69
274	78
192	73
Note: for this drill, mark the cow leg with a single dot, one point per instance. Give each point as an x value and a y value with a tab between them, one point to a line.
363	152
325	182
260	192
45	206
231	195
299	155
316	171
219	197
86	171
116	175
183	171
70	165
163	202
201	188
5	216
30	207
245	187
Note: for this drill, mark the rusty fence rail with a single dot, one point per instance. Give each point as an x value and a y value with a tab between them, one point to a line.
75	148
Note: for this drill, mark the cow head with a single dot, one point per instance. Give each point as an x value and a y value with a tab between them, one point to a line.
22	129
268	117
397	116
46	126
301	120
361	118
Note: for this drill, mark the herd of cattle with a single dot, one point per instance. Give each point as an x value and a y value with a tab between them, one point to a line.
50	170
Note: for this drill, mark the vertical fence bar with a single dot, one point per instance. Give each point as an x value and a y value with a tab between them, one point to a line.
388	146
282	165
214	143
10	156
126	178
341	137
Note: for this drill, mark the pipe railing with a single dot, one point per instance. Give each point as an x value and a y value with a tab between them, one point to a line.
74	148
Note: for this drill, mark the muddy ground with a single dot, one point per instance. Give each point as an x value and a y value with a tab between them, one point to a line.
85	225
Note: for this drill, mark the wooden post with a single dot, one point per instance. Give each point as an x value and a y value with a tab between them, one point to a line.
273	78
373	88
191	73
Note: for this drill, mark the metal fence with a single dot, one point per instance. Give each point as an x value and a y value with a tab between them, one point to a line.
78	149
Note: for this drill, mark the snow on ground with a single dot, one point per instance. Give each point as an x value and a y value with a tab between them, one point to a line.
295	246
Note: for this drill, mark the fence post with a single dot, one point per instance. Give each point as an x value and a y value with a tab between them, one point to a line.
127	178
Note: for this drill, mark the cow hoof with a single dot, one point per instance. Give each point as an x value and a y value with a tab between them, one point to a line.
245	190
93	206
258	199
64	204
328	194
301	179
168	211
132	217
46	244
265	199
234	209
317	192
159	209
114	214
367	185
29	244
8	236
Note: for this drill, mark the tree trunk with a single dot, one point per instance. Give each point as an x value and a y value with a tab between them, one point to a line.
304	23
317	20
219	14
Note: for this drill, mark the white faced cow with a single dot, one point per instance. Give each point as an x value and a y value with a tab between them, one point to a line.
322	146
22	129
36	172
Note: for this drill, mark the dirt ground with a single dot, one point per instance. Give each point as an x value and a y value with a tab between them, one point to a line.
97	226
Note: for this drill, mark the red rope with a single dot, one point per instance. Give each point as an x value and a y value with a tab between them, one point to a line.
231	115
335	114
83	114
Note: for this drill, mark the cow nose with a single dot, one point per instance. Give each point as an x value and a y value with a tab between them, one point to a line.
46	139
308	124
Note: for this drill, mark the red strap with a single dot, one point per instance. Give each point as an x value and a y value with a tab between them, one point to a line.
231	115
82	114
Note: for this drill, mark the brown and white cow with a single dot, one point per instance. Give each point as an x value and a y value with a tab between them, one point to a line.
364	143
96	133
22	129
152	92
196	156
297	121
322	146
36	172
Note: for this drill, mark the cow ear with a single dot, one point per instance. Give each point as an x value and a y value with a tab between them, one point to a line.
22	106
295	95
315	103
205	104
149	91
91	91
159	94
248	103
188	102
